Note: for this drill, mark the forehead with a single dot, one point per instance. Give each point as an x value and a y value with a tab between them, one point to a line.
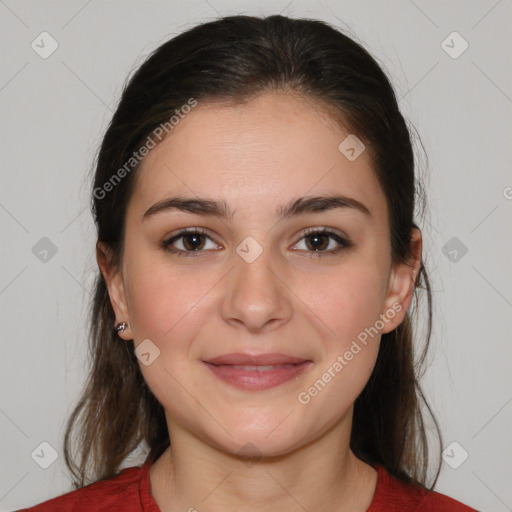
256	156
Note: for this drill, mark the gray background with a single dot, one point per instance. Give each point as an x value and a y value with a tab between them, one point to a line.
54	112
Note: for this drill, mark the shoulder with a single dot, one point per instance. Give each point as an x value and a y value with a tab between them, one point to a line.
393	494
103	495
436	502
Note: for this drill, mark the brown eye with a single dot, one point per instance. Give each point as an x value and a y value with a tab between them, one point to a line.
193	242
188	242
318	241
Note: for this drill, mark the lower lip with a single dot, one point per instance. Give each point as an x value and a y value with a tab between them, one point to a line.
257	380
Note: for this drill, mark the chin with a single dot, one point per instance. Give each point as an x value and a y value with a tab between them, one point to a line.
257	443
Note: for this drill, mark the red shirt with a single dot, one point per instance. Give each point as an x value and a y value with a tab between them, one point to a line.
130	491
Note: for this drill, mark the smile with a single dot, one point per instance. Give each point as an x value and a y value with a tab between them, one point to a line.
257	378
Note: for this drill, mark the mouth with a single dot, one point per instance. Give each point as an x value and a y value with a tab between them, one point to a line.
259	372
267	368
240	358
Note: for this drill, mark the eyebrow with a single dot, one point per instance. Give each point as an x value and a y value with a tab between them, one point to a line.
299	206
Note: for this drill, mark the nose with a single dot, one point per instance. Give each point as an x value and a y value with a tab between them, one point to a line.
256	295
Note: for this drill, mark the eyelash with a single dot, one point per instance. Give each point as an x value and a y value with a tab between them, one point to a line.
345	244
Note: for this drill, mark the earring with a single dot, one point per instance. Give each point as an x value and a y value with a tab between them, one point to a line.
121	327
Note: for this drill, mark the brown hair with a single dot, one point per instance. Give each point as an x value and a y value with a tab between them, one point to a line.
234	58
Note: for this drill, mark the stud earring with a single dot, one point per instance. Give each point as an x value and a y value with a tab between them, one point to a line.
121	327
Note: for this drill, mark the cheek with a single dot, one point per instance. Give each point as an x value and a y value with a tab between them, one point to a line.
166	307
162	300
347	306
336	386
345	302
350	307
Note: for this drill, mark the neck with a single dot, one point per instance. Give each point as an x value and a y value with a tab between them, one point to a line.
323	474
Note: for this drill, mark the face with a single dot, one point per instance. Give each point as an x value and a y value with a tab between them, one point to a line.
256	282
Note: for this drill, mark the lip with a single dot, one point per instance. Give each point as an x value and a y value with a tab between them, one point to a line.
240	358
239	370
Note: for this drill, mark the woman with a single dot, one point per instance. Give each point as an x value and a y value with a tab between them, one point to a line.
254	198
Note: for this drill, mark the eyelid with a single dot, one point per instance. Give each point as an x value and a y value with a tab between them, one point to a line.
322	229
341	239
168	241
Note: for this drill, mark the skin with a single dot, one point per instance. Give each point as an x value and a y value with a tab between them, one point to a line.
256	157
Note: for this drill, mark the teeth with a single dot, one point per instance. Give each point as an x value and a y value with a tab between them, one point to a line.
260	368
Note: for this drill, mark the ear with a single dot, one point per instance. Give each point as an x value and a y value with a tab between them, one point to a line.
114	280
402	284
